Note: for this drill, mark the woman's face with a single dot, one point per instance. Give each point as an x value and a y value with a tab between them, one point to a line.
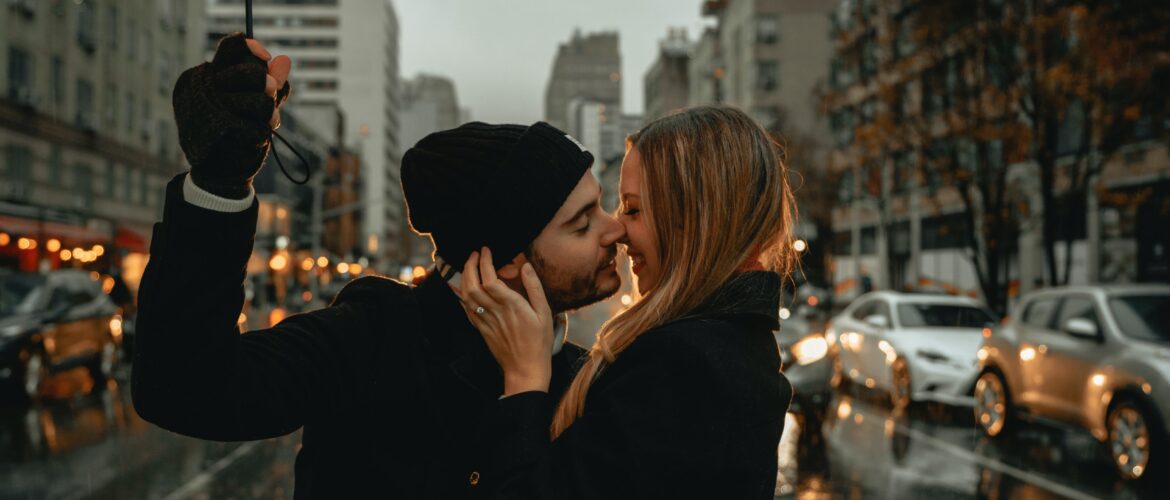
642	249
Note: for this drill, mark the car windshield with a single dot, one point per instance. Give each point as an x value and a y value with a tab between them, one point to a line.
1145	317
943	315
18	293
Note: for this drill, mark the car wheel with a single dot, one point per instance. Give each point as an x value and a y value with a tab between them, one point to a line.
993	404
900	390
1133	440
36	370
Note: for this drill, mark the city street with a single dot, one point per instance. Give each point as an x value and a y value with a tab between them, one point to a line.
95	446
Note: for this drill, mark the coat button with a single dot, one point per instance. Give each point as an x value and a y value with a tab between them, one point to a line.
474	479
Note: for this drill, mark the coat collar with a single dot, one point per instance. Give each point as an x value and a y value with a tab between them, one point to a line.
753	293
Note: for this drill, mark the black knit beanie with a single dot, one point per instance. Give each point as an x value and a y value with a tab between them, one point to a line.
489	185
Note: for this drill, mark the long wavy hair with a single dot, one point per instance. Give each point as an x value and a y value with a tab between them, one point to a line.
716	195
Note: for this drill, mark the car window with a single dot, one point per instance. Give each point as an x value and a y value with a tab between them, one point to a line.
863	310
1145	317
943	315
881	308
1039	312
1077	307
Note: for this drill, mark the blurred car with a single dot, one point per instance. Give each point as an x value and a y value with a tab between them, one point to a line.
55	322
916	347
804	357
1095	357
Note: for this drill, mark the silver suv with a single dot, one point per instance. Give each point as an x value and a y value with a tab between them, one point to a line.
1095	357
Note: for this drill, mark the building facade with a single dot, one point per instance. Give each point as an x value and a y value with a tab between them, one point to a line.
345	55
900	112
86	128
665	85
429	103
589	67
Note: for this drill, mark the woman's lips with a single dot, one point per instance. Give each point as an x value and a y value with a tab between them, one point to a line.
637	263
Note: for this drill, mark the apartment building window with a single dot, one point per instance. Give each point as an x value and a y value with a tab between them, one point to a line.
905	163
164	140
165	13
845	190
946	231
111	169
1069	129
868	57
767	116
843	243
767	75
321	84
82	185
131	39
904	44
112	27
57	80
128	184
56	166
146	119
164	74
85	113
317	64
843	122
110	106
142	187
20	76
86	25
767	29
18	163
131	115
868	240
305	43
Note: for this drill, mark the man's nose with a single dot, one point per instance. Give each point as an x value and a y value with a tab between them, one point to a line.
615	232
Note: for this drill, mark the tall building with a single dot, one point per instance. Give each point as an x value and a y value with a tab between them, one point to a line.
345	54
428	103
665	84
587	66
86	127
705	70
771	55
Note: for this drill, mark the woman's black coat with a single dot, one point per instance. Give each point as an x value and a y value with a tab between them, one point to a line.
692	409
391	383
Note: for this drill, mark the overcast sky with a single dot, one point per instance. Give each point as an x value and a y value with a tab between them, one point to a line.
500	52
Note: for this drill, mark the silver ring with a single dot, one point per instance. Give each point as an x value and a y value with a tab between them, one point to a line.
480	310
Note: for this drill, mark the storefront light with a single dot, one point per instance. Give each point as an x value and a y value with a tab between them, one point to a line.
53	245
66	254
5	239
99	250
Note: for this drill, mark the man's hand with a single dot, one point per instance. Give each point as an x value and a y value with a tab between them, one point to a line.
226	110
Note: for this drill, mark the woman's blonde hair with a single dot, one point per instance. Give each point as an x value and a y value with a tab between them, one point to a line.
715	193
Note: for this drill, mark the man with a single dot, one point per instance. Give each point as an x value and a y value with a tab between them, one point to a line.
390	381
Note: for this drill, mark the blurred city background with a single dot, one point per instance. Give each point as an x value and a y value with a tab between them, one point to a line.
983	189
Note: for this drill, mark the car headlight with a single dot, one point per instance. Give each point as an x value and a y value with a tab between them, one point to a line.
810	349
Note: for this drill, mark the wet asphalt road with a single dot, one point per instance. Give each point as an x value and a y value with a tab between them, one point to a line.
91	444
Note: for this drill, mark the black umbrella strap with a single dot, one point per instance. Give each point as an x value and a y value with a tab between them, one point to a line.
295	152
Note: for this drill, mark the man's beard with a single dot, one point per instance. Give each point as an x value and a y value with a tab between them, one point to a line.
570	289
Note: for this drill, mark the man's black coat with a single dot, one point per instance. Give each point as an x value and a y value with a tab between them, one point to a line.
390	382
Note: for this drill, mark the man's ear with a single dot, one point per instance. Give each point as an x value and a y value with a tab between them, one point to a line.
511	270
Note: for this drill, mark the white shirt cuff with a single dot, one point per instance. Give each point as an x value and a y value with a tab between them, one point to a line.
196	196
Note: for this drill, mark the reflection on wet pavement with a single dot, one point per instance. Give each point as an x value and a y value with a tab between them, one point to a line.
93	445
935	452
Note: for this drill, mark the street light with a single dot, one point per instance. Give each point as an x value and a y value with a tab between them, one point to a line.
277	262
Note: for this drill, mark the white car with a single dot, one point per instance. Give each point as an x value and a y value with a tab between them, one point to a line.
916	347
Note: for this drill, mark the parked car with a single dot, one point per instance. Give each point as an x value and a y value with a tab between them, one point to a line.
54	322
916	347
1094	357
804	357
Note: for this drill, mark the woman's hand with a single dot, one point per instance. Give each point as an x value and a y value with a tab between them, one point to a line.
518	332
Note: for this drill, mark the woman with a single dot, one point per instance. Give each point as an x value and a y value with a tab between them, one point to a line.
681	396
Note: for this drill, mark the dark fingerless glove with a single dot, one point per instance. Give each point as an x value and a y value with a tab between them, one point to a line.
222	115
